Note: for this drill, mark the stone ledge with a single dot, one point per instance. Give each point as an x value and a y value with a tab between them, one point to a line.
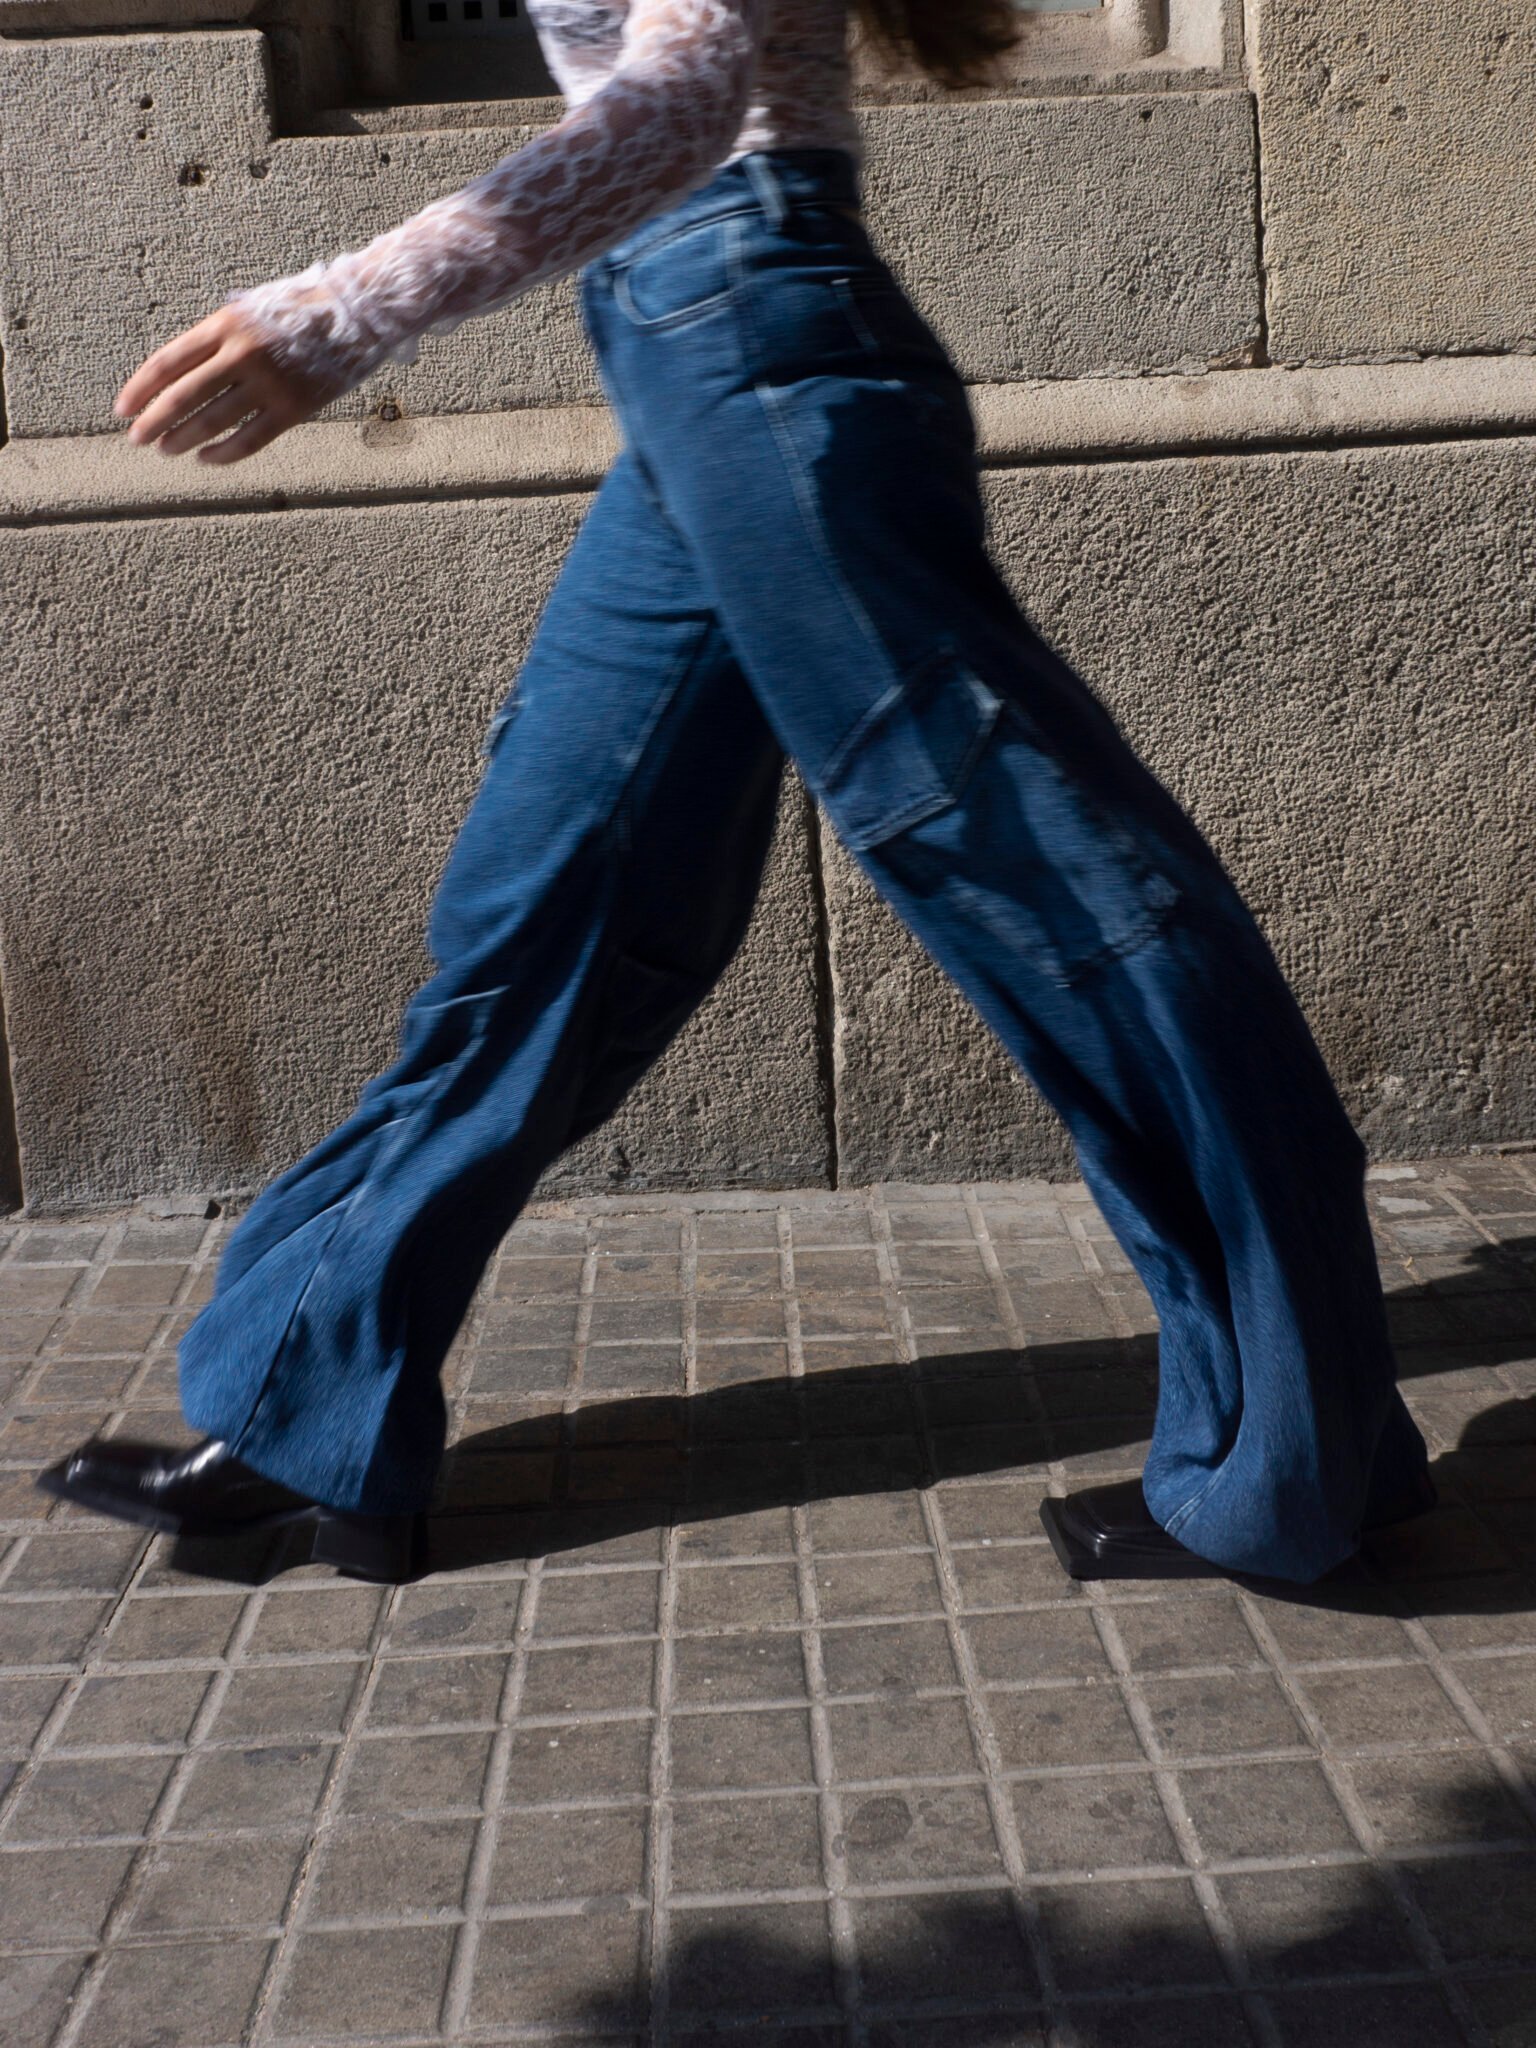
567	448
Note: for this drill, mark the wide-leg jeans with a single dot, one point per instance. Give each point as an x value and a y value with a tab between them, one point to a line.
788	558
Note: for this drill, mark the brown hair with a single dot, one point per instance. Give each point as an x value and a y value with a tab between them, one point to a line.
957	42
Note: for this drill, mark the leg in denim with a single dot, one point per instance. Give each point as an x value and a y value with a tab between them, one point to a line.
812	442
600	883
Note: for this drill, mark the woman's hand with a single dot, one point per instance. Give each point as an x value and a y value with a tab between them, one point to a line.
216	373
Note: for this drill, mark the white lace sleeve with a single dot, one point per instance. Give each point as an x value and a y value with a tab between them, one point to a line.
654	130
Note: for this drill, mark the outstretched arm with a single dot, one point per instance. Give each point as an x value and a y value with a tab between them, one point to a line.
658	127
655	130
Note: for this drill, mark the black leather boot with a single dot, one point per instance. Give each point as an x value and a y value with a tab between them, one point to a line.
206	1491
1107	1532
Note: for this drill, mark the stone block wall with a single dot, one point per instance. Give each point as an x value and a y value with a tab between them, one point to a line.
1246	298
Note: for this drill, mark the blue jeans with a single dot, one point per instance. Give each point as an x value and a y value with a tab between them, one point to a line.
788	558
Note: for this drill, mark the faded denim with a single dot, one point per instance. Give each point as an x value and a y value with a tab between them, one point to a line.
788	557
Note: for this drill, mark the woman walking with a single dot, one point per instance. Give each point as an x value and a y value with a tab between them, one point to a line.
787	559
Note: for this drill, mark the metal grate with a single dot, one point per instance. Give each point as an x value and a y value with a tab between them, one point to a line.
452	20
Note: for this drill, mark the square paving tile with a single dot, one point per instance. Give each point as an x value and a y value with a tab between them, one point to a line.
1079	1725
1152	1933
965	1945
746	1845
416	1773
1385	2016
74	1799
379	1982
1339	1922
238	1883
76	1560
137	1709
1388	1705
239	1787
325	1620
897	1657
384	1867
582	1971
745	1667
726	1751
1194	1634
720	1596
598	1604
269	1700
1095	1821
901	1738
590	1679
25	1704
421	1692
50	1896
570	1853
1050	1642
35	1991
1481	1909
150	1627
737	1959
562	1760
922	1835
1265	1810
1439	1797
179	1995
1226	1716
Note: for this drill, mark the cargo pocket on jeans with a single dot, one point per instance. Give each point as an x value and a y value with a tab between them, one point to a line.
908	758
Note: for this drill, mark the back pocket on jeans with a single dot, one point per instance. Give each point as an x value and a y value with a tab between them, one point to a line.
908	757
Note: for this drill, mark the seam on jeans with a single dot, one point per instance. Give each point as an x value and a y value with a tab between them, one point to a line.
626	252
1179	1519
815	526
344	1202
341	1205
1157	917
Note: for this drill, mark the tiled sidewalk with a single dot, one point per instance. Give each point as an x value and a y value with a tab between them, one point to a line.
745	1699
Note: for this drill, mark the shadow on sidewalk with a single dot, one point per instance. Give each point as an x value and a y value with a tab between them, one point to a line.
1338	1947
560	1481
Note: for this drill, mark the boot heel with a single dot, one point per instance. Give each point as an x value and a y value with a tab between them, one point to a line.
383	1547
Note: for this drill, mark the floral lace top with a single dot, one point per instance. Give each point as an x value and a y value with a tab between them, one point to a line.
659	94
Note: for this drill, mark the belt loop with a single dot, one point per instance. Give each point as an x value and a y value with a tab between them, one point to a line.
766	185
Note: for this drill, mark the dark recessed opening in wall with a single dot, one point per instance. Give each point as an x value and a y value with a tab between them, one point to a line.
470	50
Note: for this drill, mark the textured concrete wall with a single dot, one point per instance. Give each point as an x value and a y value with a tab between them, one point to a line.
1399	176
233	756
237	739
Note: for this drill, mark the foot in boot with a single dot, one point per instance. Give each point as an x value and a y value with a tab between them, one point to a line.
1107	1532
207	1491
